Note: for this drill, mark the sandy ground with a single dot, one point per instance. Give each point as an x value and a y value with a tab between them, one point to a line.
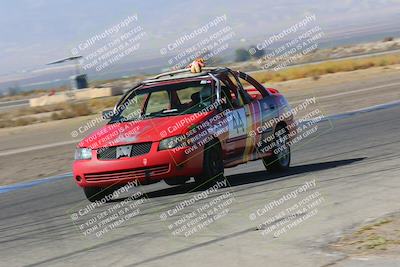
335	93
380	237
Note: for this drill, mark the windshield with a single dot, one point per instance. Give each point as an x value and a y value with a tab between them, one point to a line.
166	100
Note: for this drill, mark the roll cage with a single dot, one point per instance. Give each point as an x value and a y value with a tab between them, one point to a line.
214	73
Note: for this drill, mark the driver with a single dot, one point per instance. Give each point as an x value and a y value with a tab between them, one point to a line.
195	99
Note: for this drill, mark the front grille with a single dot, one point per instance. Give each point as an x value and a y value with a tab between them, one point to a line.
128	174
140	149
109	153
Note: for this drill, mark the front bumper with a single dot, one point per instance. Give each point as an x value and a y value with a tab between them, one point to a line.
151	167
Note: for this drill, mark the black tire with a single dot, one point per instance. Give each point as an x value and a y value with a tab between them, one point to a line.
176	181
280	159
213	165
94	194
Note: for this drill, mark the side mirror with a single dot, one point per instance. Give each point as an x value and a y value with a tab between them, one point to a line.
107	114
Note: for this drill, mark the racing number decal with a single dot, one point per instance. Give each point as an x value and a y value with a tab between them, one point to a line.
237	123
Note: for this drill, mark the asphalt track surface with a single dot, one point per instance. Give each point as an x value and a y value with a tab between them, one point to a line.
354	161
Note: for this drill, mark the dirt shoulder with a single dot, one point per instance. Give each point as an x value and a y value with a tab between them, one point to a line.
380	237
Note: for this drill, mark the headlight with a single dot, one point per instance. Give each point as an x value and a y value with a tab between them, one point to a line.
172	142
83	153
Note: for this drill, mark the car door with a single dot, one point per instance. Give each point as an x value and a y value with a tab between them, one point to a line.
265	113
238	114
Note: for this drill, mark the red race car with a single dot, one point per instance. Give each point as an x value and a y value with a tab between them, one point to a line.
179	125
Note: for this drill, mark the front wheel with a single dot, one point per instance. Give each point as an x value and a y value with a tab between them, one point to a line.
94	194
281	156
213	165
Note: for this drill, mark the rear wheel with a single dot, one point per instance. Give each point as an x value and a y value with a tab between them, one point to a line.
94	194
280	159
213	165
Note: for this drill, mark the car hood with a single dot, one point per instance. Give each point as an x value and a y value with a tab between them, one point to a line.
148	130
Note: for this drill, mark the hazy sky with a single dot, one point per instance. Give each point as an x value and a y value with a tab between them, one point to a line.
34	32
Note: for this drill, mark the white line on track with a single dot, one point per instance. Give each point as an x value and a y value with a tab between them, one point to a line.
351	92
37	147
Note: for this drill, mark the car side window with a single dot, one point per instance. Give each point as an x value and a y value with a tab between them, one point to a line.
248	81
244	95
250	90
230	91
